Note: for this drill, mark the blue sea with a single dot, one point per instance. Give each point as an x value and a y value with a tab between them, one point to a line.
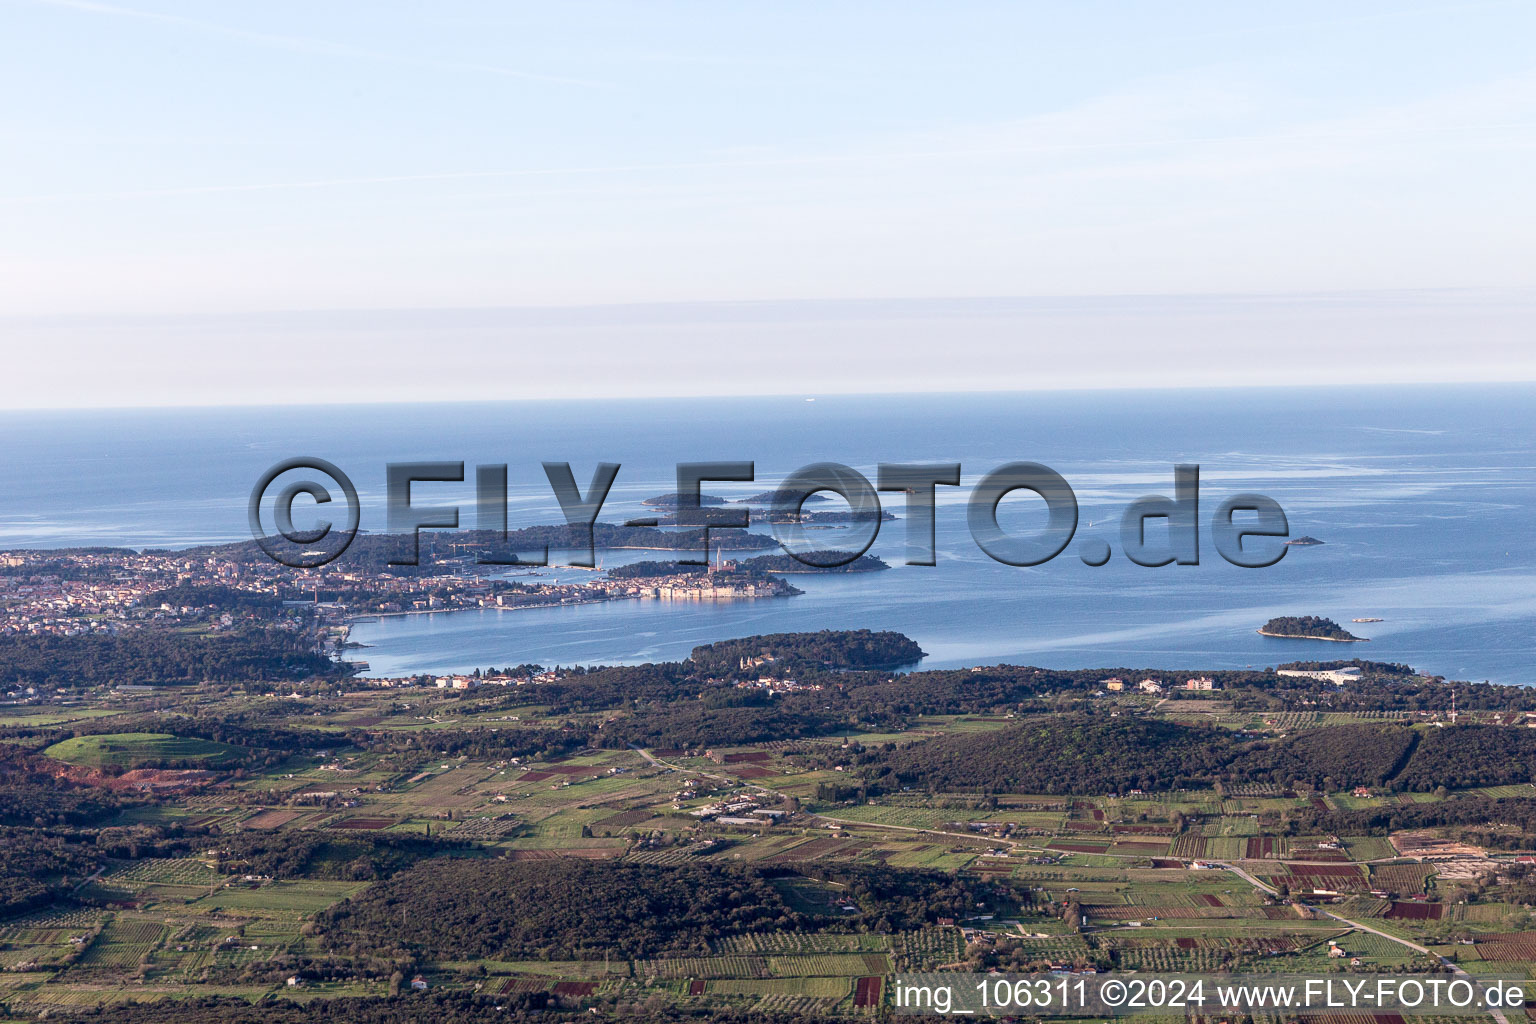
1422	495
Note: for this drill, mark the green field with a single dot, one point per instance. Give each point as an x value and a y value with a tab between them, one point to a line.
133	749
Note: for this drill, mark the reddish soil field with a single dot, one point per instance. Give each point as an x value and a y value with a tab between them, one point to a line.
364	824
575	988
867	993
1210	900
696	987
1415	912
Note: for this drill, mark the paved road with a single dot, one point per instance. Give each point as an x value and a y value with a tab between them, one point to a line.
1498	1015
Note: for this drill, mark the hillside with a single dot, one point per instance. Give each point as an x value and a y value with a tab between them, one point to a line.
143	749
1081	754
828	648
1067	754
558	909
1472	755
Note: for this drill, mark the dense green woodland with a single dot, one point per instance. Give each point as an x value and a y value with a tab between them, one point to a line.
1098	754
823	560
1307	625
578	909
558	910
324	855
37	868
1467	815
831	649
150	656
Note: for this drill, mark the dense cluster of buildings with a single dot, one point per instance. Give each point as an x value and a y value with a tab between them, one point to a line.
107	591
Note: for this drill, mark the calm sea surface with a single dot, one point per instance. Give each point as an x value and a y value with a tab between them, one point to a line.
1423	496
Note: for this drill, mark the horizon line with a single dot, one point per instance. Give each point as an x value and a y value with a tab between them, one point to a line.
802	396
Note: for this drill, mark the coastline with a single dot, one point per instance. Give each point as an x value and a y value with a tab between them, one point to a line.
364	616
1307	636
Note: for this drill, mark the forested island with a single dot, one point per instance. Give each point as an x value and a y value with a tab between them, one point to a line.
827	649
1309	627
813	561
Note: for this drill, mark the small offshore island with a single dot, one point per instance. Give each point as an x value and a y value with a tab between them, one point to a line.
1303	542
1309	627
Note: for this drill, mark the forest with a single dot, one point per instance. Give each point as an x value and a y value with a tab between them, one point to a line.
1306	626
581	909
558	909
829	648
160	657
814	561
1096	754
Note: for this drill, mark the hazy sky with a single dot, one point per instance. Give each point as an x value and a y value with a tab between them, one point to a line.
220	201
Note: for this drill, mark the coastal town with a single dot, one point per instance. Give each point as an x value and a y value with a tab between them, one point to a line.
108	591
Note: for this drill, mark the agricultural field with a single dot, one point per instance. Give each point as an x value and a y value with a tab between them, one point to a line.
126	750
237	883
